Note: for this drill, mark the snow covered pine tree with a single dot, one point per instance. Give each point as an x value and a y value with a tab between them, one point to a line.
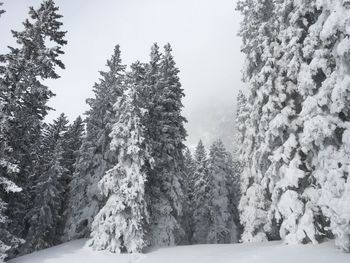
221	222
23	101
8	168
257	35
295	142
166	135
200	195
324	80
45	217
120	224
95	156
187	220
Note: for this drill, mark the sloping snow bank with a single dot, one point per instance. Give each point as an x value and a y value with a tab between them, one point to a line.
269	252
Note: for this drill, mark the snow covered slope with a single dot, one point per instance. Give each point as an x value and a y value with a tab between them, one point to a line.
78	251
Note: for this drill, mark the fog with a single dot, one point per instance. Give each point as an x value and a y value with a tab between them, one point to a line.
203	34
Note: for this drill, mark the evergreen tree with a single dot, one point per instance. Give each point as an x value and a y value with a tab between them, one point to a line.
95	156
8	168
220	217
200	195
120	224
45	216
258	36
166	134
296	134
275	171
291	184
189	169
34	59
324	82
233	170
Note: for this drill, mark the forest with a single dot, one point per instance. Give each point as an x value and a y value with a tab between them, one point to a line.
122	174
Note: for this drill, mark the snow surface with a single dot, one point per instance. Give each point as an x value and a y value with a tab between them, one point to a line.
79	251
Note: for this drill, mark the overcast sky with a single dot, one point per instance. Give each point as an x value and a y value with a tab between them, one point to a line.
203	34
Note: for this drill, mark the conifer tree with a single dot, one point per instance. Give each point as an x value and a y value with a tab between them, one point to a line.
233	170
45	217
292	186
258	36
324	82
25	96
8	169
189	169
296	137
95	157
120	224
270	149
200	196
220	217
166	135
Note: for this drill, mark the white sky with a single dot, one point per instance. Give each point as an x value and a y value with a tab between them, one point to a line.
203	34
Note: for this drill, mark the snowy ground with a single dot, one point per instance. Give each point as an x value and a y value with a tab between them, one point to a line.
78	251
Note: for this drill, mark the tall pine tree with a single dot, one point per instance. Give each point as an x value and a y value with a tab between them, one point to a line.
45	217
23	100
166	135
95	157
324	82
189	182
295	142
257	34
120	224
8	169
219	206
200	195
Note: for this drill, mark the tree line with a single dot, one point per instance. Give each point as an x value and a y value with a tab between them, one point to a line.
123	175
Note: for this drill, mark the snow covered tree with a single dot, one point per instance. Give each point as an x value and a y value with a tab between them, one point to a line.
25	96
8	169
215	194
296	133
45	216
235	162
95	156
166	135
200	196
189	169
120	224
278	190
294	195
324	83
258	35
220	217
233	170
